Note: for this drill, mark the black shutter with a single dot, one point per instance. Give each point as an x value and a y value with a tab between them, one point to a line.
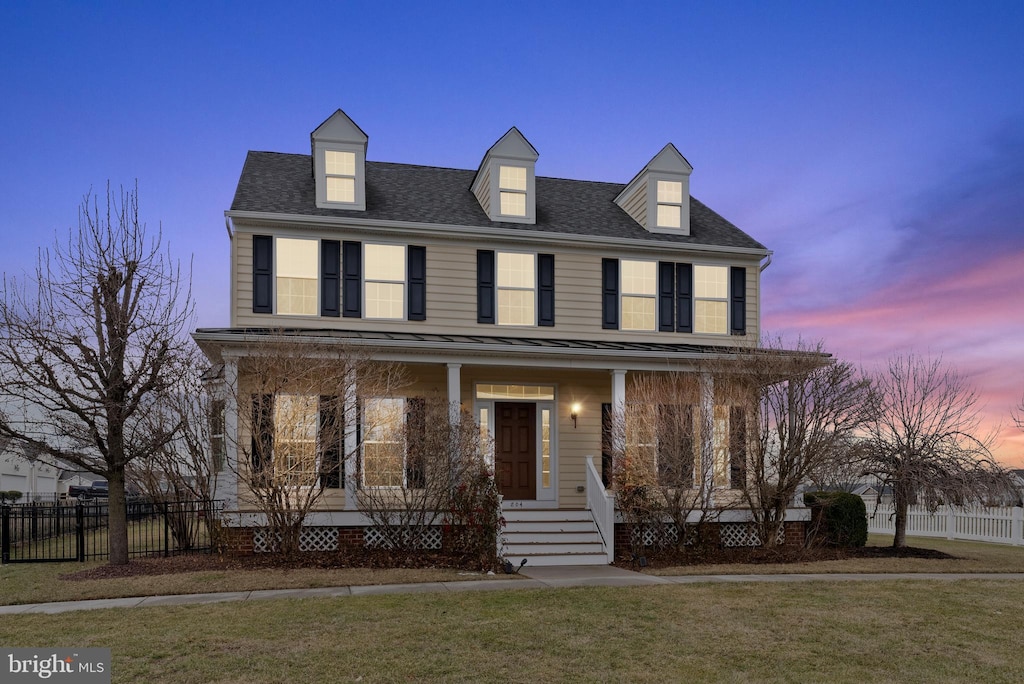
262	454
330	278
352	275
546	289
666	296
606	444
485	283
332	469
262	274
738	300
610	294
737	447
675	446
415	429
684	298
417	275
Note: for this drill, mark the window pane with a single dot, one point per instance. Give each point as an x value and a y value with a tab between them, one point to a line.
383	465
670	192
515	392
513	204
669	216
545	448
720	439
341	189
385	262
638	313
515	270
296	296
340	163
384	442
385	300
710	282
515	307
638	277
710	317
297	258
512	178
295	425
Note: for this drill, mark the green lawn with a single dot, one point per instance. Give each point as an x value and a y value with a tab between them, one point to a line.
924	631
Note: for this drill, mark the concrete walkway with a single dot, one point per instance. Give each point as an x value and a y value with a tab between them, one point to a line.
534	578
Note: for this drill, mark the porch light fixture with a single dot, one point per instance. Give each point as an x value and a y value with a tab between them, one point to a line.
574	413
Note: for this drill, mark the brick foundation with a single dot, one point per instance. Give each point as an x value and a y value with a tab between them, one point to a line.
238	541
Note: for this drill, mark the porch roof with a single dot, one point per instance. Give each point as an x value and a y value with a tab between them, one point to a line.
490	349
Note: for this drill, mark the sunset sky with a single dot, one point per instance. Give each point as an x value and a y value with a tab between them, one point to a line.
876	147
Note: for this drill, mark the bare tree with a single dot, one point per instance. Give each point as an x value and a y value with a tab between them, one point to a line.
803	410
298	408
88	342
924	439
420	471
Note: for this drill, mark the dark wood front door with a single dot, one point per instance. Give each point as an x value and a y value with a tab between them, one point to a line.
515	449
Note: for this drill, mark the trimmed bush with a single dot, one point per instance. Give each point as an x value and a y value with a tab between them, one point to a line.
840	518
11	495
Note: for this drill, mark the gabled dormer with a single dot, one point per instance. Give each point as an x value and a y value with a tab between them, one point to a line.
658	198
339	163
505	184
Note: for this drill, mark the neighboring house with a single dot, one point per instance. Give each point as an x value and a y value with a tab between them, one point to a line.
21	472
531	301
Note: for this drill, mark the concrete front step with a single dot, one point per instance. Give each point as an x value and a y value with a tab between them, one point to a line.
552	559
548	526
549	536
552	537
544	514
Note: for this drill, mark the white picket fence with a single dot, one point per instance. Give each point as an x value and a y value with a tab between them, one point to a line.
1003	525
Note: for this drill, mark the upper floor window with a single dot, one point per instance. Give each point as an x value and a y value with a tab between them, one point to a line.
711	303
296	278
340	171
516	289
670	204
512	190
638	295
384	281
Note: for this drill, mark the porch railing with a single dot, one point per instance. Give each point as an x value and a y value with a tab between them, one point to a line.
1002	525
601	504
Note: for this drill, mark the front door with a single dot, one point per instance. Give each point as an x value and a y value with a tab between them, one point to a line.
515	449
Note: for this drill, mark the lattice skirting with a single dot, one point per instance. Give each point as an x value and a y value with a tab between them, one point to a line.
744	534
429	538
310	539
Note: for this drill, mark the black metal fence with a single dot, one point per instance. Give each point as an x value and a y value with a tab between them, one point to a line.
58	532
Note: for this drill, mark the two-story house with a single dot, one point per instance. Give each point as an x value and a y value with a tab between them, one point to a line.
529	300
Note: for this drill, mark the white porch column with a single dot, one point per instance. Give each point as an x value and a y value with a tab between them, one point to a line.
454	392
226	488
351	444
707	436
618	427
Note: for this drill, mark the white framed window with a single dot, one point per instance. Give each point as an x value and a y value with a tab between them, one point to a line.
670	204
517	283
720	441
218	447
545	448
512	190
340	171
638	290
383	442
297	272
296	417
384	281
710	299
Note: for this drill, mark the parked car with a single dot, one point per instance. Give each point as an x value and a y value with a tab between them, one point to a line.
99	489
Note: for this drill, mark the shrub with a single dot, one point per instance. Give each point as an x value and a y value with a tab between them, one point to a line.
840	518
11	496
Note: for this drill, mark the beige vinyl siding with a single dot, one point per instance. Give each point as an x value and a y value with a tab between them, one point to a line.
452	291
636	205
483	190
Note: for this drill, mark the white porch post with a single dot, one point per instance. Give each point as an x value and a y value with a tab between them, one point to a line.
707	436
351	413
227	480
618	427
454	392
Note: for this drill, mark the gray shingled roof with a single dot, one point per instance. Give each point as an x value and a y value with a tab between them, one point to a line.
274	182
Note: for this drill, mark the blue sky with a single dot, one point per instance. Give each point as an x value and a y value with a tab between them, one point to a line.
876	147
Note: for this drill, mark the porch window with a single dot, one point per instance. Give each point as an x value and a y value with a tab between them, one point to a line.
295	426
720	441
384	442
638	294
525	392
218	452
545	448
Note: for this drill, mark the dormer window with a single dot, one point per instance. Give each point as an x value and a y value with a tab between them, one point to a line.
670	204
340	171
512	188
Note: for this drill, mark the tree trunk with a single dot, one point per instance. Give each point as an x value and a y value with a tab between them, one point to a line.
117	519
900	502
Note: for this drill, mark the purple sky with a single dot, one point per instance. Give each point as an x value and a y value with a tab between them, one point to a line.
877	148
